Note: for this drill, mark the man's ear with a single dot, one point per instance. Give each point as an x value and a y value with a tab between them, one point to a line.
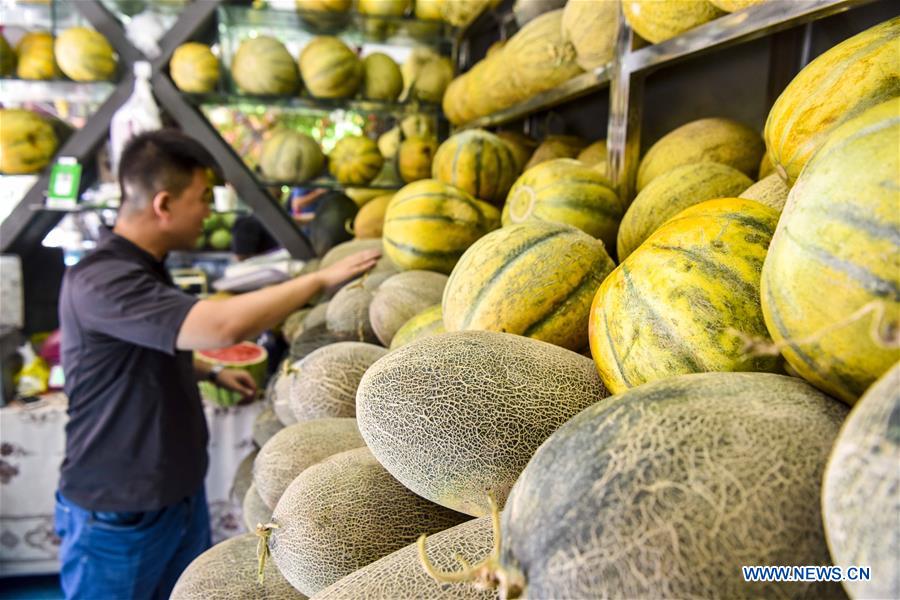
161	205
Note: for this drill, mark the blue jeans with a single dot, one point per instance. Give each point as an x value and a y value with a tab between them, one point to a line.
126	555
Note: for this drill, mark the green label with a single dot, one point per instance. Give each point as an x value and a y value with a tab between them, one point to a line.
65	180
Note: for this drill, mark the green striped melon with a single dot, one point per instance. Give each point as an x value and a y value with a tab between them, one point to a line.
860	499
7	58
343	513
400	574
401	297
566	191
681	301
837	86
355	160
330	69
591	29
27	142
347	315
836	253
327	380
291	156
484	401
262	65
556	146
194	68
771	191
705	140
381	78
534	279
428	225
265	425
672	192
667	490
227	571
35	57
427	322
659	20
477	162
254	509
84	55
297	447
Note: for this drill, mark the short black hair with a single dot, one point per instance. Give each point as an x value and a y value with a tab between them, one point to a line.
164	159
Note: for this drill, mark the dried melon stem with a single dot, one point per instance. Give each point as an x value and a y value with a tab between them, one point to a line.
884	332
263	532
488	574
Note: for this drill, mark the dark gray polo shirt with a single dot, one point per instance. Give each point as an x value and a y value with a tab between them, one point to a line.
136	437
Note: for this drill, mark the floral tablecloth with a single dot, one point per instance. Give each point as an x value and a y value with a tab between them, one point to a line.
32	439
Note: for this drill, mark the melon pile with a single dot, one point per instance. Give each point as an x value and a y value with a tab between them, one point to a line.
585	395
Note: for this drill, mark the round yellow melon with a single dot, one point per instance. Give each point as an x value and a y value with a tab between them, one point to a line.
659	20
355	160
329	68
591	29
262	65
35	57
194	68
477	162
534	279
415	157
705	140
381	78
27	142
369	221
771	191
427	322
85	55
556	146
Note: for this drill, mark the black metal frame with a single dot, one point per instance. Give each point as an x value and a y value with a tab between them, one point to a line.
27	225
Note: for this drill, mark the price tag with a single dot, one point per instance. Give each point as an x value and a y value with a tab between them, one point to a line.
65	180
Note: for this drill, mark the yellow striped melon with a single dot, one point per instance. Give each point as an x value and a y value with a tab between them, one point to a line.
566	191
227	571
668	489
35	57
355	160
427	322
381	78
705	140
291	156
538	58
369	221
680	302
84	55
194	68
27	142
484	401
771	191
329	68
860	500
415	157
836	253
521	146
837	86
591	29
556	146
402	296
343	513
534	279
659	20
428	225
478	162
7	58
262	65
672	192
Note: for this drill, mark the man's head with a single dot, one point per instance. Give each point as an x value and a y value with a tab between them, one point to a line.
165	177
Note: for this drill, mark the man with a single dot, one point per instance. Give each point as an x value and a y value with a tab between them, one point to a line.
131	510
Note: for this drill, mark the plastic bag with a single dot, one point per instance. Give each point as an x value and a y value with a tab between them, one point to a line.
140	113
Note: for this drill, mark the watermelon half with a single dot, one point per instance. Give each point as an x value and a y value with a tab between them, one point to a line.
247	356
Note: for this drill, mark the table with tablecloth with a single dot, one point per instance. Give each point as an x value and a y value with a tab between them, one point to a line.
32	441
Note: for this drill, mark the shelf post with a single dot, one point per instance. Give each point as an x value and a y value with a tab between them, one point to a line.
623	138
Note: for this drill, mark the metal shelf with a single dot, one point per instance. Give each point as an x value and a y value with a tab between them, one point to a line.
17	91
320	104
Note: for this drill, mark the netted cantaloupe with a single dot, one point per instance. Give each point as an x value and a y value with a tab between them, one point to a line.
401	297
343	513
328	378
566	191
348	312
771	191
297	447
347	248
265	426
262	65
7	58
705	140
535	279
667	490
539	58
355	160
427	322
293	324
556	146
477	162
483	400
254	509
315	317
591	28
84	55
35	57
228	571
837	86
414	158
369	221
861	490
194	68
659	20
329	68
291	156
381	78
687	300
672	192
831	282
27	142
428	225
400	574
314	337
521	146
243	478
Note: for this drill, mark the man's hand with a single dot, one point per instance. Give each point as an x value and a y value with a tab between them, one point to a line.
348	268
238	380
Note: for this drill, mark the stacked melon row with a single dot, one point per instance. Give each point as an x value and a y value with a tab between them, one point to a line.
701	463
79	53
455	12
